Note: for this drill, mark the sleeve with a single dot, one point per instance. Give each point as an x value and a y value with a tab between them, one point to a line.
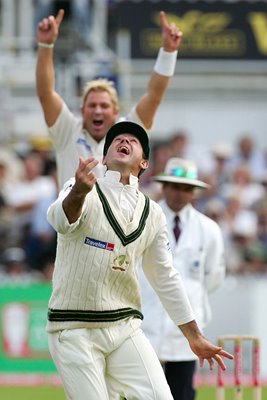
64	129
133	117
56	215
215	267
165	279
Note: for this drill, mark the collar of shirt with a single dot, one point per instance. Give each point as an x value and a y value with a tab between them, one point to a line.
170	214
113	179
97	146
124	196
183	214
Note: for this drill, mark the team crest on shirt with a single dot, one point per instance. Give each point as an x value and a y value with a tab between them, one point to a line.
120	263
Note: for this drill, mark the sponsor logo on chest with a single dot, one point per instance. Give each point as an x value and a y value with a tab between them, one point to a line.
99	244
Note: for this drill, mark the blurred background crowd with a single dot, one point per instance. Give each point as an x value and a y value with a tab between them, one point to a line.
236	200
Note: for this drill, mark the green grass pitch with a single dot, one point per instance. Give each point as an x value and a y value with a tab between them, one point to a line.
57	393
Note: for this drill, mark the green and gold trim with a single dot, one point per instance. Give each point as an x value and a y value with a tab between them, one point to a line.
125	239
93	316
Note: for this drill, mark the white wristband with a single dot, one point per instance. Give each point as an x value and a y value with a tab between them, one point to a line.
46	45
165	62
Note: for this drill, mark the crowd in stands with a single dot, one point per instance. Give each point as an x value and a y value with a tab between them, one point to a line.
236	200
28	185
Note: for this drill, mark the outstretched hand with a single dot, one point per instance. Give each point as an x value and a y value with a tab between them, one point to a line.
85	177
171	35
48	28
207	351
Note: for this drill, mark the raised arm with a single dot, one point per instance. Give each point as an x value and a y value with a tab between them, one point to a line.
163	70
50	100
84	182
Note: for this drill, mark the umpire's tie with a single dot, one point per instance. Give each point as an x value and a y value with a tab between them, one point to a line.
176	227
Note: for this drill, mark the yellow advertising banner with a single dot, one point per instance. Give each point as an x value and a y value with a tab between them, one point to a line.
211	30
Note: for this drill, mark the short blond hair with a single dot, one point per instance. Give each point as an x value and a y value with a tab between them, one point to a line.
103	85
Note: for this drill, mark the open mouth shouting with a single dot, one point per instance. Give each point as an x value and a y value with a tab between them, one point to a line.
124	150
98	123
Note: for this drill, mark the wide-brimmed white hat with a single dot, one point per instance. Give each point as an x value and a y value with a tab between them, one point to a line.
179	170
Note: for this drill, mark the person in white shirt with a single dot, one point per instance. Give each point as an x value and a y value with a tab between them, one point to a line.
104	226
74	137
197	247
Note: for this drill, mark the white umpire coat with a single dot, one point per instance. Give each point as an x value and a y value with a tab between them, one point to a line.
199	257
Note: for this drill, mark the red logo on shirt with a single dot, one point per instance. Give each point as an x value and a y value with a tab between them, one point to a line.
110	246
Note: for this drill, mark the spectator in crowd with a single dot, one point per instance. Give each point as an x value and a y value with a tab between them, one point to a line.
263	183
14	267
10	171
242	185
47	265
216	210
255	258
22	197
43	145
33	185
96	290
212	192
41	236
73	137
244	252
262	224
181	146
220	155
260	208
5	214
248	154
161	152
198	254
234	211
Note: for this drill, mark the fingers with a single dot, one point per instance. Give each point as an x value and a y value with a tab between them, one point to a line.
224	353
81	161
86	166
44	24
210	360
171	35
175	33
163	20
218	357
220	362
165	26
173	29
211	363
59	16
48	22
85	177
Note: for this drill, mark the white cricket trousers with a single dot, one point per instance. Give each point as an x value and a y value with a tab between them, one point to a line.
104	364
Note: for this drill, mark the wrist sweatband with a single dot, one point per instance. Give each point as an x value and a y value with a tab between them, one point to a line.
165	62
46	45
